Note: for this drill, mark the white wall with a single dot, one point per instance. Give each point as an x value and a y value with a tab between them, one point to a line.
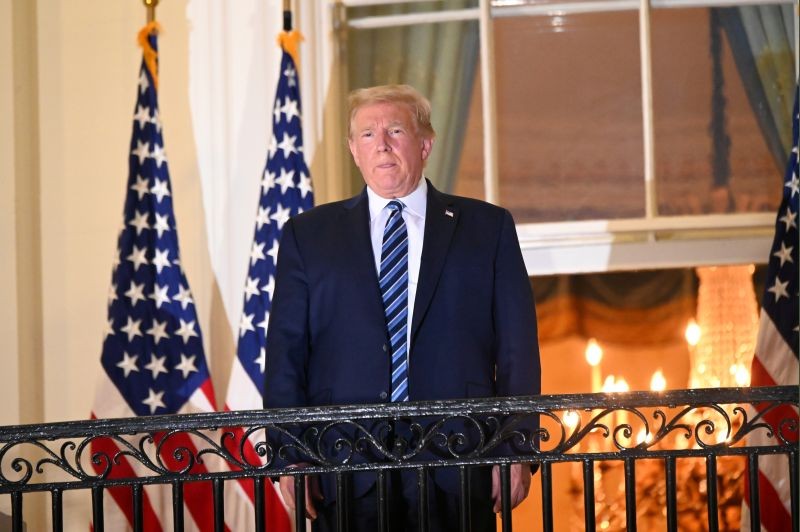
9	382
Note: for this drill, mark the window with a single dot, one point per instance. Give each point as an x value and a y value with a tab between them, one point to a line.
539	107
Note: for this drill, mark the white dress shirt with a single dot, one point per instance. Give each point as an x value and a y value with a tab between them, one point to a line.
415	205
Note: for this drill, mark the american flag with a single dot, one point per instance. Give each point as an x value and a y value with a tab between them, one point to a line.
776	357
152	359
285	191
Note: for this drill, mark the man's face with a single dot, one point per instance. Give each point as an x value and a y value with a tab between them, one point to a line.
387	148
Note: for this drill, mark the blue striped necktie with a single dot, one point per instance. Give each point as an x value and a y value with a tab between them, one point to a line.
394	291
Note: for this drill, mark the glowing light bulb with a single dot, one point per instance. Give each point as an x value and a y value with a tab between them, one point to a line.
693	333
594	353
571	418
742	375
610	384
622	386
658	383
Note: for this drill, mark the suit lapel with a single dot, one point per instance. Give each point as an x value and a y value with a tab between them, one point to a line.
356	237
441	218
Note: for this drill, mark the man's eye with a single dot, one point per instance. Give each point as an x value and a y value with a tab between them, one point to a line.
366	134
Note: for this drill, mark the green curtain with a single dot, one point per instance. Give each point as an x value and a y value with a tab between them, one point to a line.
762	41
439	59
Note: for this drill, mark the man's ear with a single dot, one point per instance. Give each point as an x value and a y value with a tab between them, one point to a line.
427	145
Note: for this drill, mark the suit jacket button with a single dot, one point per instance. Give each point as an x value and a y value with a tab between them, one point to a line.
385	348
383	395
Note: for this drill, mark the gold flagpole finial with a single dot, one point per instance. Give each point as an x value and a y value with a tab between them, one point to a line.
151	9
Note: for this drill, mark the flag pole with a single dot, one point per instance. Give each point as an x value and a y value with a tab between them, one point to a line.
151	9
287	15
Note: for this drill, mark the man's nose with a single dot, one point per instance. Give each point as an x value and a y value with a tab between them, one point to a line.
383	142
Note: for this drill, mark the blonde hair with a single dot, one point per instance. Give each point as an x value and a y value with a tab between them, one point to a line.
419	106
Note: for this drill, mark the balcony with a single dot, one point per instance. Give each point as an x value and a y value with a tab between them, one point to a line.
640	442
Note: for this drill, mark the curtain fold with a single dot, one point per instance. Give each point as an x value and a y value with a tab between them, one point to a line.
762	41
438	59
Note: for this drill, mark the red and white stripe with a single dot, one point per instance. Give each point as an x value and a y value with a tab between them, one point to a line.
774	364
240	496
157	499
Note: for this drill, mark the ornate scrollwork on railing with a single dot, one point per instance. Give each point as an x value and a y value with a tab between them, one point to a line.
163	448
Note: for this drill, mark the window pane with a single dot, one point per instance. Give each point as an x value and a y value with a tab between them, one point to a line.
569	118
711	69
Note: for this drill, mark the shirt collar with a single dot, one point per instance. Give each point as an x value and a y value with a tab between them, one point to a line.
415	203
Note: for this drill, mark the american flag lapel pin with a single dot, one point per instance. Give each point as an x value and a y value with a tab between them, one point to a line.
448	212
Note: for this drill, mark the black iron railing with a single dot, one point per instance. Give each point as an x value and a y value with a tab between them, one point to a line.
597	432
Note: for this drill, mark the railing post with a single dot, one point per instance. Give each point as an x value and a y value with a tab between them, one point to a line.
588	495
218	490
711	490
177	506
422	492
16	511
630	493
464	503
383	502
58	510
138	508
547	496
505	496
299	499
672	491
755	503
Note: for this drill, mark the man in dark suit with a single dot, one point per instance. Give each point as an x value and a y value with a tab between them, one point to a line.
401	293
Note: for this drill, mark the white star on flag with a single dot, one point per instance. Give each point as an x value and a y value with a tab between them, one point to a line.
186	367
159	295
287	145
246	324
184	297
257	253
154	400
156	365
158	331
139	222
132	328
160	261
141	186
286	180
135	293
160	190
142	116
186	330
162	224
128	364
250	288
281	215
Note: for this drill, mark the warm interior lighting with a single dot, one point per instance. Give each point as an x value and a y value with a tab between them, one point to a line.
622	386
610	384
741	374
692	333
643	437
571	418
658	383
594	353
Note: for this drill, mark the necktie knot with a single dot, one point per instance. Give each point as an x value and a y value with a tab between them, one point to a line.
395	205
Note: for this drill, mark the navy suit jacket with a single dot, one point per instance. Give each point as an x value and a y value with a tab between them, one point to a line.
473	331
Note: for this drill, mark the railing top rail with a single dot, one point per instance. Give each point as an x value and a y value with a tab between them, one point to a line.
638	399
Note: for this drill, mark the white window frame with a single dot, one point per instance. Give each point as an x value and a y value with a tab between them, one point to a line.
651	241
